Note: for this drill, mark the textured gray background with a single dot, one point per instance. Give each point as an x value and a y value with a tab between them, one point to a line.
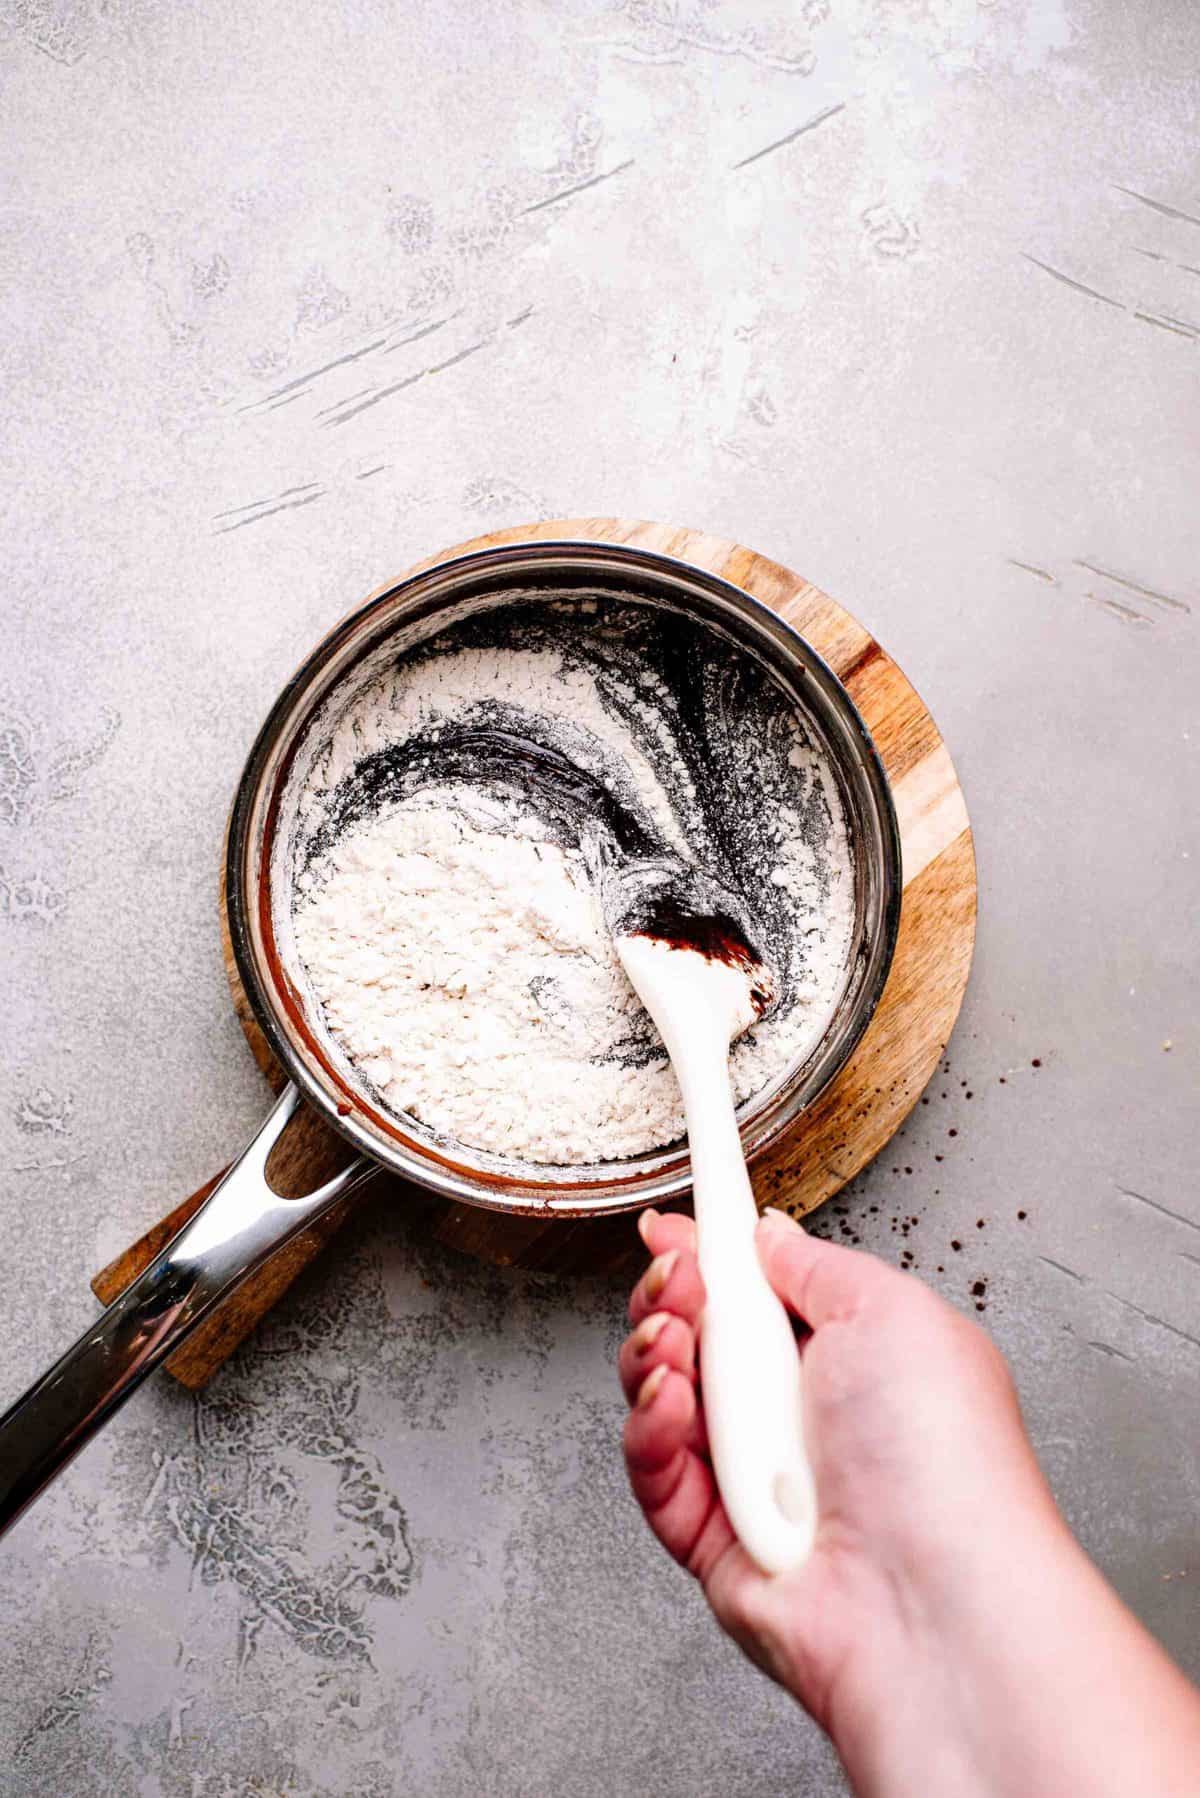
903	292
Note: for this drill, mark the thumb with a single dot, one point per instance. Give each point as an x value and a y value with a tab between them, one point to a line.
819	1281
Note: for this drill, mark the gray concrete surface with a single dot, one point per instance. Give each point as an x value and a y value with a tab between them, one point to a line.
903	292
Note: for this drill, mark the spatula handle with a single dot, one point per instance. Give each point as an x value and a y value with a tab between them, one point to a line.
749	1361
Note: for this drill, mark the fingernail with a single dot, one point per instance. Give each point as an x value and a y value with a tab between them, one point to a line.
659	1272
649	1330
644	1222
782	1219
649	1388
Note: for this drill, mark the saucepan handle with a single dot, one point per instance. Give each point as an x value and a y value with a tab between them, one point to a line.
238	1227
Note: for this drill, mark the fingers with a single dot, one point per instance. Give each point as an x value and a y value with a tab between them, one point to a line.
661	1231
671	1283
660	1340
663	1340
672	1484
820	1281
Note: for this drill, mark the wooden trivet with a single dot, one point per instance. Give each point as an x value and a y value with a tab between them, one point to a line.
849	1123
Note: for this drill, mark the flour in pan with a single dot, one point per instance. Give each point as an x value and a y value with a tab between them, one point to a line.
445	913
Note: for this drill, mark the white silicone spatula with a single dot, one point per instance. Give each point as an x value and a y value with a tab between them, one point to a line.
703	984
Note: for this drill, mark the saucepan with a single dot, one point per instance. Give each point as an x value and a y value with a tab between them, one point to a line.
244	1221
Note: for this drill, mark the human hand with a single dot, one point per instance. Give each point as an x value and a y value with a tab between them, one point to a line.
941	1577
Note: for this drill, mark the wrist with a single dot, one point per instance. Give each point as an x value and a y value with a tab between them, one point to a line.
931	1703
1018	1675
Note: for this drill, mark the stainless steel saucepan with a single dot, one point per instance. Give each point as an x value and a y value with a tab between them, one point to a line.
244	1222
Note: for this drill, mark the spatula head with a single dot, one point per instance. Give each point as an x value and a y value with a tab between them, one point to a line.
675	926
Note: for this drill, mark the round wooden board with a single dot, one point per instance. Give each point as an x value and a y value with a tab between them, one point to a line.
857	1113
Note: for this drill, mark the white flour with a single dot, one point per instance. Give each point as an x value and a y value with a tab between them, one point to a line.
457	950
471	977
